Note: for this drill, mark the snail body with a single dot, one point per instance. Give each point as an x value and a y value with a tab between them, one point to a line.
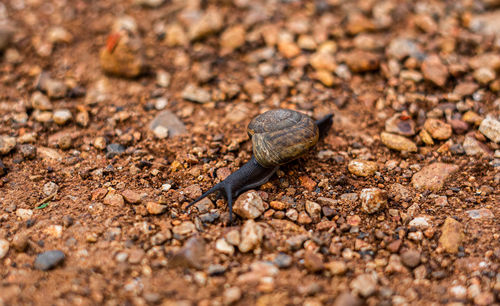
278	137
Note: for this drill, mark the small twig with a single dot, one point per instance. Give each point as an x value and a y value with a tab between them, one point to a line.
50	197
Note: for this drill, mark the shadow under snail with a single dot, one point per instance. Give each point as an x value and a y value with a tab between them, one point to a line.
278	137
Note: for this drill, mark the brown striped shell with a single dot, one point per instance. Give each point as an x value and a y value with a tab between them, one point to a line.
281	135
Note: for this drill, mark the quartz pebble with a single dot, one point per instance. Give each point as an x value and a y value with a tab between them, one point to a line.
490	128
373	200
249	205
4	248
314	210
251	236
361	167
223	246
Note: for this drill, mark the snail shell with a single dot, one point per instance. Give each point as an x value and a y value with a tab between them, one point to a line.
281	135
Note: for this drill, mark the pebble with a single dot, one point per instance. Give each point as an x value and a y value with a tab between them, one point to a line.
28	151
233	38
131	196
123	54
191	255
473	147
373	200
160	132
363	168
314	210
438	129
323	61
420	222
185	228
223	246
283	261
114	199
251	236
100	143
277	205
288	49
211	22
304	218
347	299
231	295
61	116
411	258
49	260
154	208
196	94
19	242
336	267
24	214
459	292
432	177
313	262
292	214
233	237
53	88
40	102
402	47
434	70
7	143
490	128
364	284
50	188
484	75
170	121
4	248
465	88
249	205
162	80
480	213
397	142
451	236
59	35
472	117
362	61
54	231
114	149
399	124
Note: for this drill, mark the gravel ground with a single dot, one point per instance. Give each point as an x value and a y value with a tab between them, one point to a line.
115	115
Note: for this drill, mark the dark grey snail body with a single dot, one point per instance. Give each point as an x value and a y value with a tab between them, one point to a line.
278	137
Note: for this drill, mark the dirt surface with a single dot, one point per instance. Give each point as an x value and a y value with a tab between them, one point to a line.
116	114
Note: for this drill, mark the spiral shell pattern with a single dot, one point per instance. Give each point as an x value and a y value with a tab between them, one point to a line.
282	135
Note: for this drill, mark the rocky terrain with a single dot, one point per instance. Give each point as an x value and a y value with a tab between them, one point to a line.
115	115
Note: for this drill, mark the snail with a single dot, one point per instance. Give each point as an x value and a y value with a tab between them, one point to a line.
278	137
